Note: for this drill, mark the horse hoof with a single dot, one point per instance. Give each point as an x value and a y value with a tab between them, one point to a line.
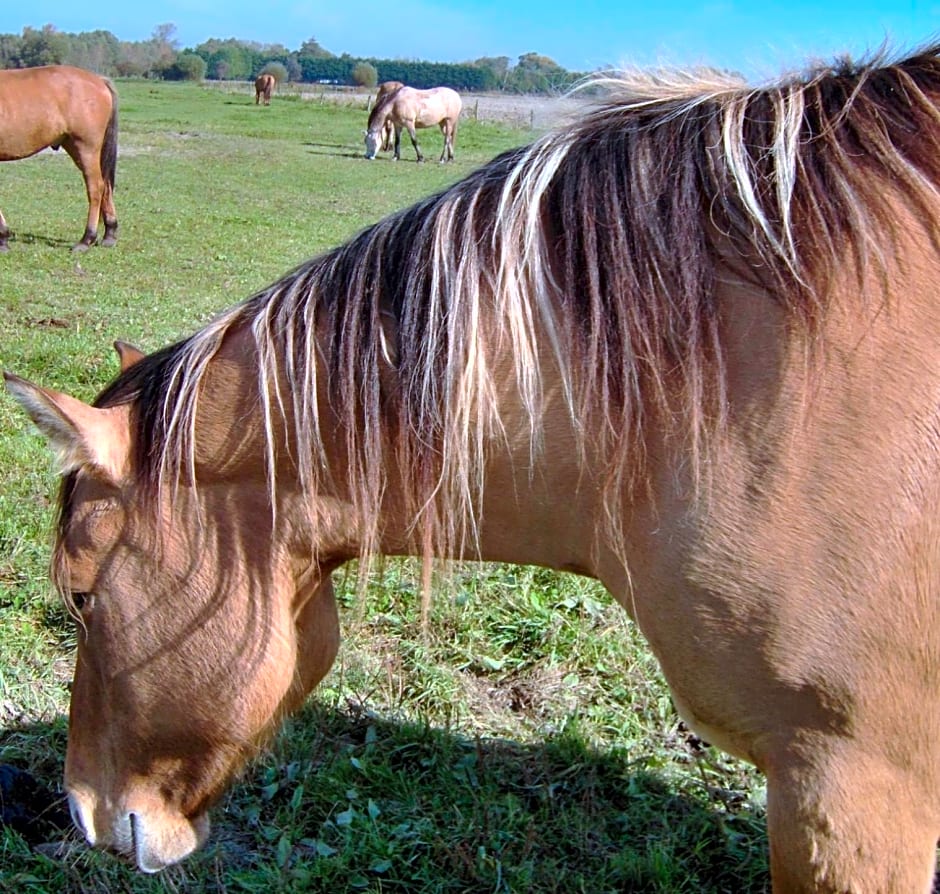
109	241
80	246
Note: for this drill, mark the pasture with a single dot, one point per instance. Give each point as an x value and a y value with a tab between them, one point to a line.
524	742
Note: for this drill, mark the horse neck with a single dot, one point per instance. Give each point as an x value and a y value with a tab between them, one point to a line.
538	503
378	115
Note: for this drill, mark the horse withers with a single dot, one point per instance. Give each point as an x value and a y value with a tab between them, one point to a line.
688	345
409	108
264	88
61	106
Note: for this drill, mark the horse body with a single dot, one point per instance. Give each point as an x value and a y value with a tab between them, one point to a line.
409	108
264	88
723	404
61	106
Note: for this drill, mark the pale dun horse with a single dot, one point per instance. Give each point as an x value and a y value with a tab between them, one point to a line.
688	345
409	108
264	88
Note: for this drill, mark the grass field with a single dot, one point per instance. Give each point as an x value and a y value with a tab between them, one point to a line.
525	742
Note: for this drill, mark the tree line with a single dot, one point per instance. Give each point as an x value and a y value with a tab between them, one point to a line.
232	59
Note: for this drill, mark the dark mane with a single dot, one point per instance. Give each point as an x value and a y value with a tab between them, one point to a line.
596	247
380	110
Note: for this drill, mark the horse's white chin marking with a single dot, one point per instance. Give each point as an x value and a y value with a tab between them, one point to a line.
155	838
158	845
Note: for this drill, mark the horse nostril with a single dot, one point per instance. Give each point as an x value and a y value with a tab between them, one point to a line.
78	817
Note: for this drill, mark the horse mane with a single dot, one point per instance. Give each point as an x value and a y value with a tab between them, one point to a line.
381	110
596	249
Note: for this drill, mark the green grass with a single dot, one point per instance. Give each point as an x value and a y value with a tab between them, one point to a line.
524	742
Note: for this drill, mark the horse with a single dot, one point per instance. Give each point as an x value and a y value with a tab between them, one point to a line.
411	108
687	345
62	106
388	133
264	88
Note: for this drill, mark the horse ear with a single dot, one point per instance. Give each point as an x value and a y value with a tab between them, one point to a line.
128	354
78	434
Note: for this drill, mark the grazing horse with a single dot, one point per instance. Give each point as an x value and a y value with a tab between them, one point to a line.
388	133
264	88
688	345
61	106
410	108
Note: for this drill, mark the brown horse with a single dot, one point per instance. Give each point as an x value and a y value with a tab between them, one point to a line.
409	108
58	105
688	345
264	88
386	88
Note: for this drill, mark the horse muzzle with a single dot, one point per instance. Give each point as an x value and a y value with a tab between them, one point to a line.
143	829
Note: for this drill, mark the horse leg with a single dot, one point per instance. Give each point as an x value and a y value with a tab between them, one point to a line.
4	234
318	637
94	187
852	822
109	214
447	153
397	153
87	161
414	141
100	194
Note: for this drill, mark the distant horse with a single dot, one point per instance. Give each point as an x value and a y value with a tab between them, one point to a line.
388	134
688	345
410	108
264	88
60	106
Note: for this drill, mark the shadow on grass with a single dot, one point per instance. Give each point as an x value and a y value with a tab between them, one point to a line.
37	239
344	798
334	150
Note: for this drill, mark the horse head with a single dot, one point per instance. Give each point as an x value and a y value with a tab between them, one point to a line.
373	140
198	626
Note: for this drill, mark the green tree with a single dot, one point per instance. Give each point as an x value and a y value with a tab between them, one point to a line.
45	47
278	69
133	59
310	47
187	67
534	73
364	74
94	50
164	46
228	60
11	48
496	70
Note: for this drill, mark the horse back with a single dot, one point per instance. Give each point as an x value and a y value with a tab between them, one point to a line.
46	106
427	107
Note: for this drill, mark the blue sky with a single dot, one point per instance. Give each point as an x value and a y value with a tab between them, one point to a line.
759	39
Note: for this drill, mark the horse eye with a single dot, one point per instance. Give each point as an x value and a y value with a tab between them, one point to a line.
81	601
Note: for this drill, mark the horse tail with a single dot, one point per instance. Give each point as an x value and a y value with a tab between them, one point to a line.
109	148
